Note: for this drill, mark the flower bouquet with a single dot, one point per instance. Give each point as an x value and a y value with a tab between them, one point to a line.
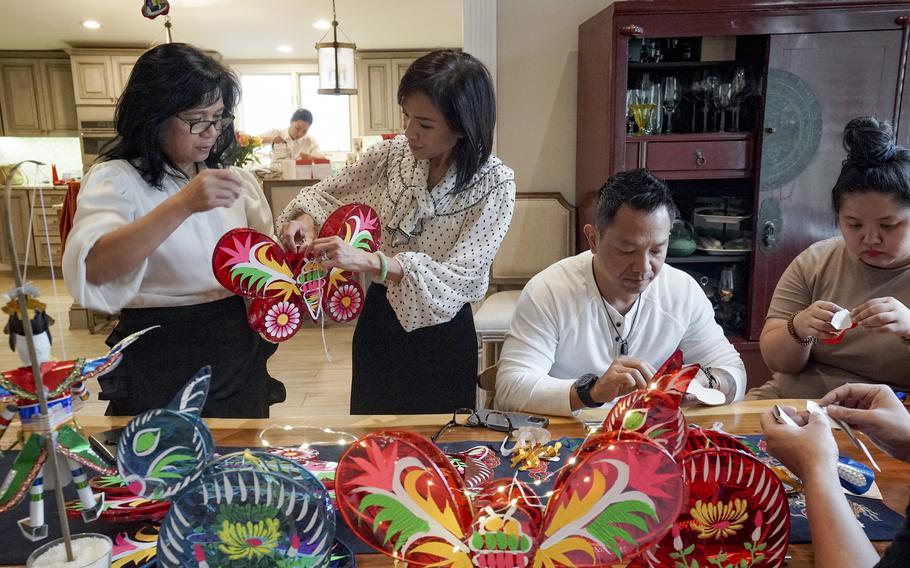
246	148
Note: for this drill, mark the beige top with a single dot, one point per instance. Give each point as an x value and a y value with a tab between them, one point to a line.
827	271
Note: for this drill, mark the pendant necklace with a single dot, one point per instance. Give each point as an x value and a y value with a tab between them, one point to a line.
623	341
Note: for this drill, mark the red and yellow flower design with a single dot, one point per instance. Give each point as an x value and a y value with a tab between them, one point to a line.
345	302
282	319
718	520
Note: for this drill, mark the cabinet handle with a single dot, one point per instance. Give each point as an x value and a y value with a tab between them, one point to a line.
700	159
770	130
769	235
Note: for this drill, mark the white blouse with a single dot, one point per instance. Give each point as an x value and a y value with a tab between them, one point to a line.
445	241
179	272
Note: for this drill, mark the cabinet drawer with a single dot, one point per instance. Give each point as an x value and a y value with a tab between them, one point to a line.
700	159
41	254
51	198
53	222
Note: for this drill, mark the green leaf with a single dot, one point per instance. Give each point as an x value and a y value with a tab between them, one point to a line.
255	278
502	541
402	522
657	433
477	541
688	550
634	419
604	529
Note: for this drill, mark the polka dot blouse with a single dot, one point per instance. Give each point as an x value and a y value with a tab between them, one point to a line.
445	241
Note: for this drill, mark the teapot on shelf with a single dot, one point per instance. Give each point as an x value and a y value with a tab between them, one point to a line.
682	239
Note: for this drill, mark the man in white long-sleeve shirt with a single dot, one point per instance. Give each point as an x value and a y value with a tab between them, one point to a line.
593	327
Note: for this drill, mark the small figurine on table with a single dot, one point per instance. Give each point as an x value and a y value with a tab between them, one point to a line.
64	383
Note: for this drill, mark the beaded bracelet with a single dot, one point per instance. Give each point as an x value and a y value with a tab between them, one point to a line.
383	266
791	329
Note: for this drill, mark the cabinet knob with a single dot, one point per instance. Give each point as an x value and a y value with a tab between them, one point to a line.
770	130
700	159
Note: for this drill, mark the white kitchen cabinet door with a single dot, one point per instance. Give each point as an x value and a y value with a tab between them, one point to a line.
374	94
399	67
93	79
59	99
122	66
20	98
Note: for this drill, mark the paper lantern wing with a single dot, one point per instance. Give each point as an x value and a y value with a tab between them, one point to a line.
737	509
358	225
402	496
252	265
623	494
653	414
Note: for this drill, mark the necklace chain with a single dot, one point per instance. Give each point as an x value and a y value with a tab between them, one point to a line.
623	341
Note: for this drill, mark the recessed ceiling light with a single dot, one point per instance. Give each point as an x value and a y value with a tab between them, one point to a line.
91	24
285	48
322	24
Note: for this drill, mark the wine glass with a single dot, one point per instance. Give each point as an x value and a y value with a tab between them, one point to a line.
709	85
723	100
630	118
742	89
642	108
726	287
671	100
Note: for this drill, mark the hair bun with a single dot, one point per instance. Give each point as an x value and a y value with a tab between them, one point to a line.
869	141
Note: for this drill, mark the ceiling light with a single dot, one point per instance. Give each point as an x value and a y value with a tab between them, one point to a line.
285	48
91	24
336	63
322	24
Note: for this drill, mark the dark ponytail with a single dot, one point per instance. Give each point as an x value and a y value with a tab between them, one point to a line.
874	163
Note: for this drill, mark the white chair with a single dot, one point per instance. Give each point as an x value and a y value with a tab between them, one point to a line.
542	232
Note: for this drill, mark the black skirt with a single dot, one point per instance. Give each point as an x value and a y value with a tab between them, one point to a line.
156	367
427	371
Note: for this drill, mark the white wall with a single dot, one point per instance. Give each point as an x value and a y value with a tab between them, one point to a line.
537	80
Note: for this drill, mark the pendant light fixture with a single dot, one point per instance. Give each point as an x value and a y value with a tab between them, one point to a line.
336	63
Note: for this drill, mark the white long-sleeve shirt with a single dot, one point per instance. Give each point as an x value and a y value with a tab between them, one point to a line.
560	332
445	241
179	271
306	144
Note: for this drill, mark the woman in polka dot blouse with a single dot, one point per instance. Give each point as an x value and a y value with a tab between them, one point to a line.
445	204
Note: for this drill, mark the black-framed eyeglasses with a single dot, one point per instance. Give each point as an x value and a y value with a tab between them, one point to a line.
492	419
199	126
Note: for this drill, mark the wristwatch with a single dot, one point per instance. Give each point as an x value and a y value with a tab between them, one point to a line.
583	386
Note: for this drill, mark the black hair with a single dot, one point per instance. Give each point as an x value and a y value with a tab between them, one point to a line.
302	114
639	189
460	86
169	79
874	163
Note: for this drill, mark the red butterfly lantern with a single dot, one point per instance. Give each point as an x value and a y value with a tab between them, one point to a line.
285	285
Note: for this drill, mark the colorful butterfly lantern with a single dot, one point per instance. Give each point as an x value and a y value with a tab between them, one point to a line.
249	508
401	495
285	285
736	513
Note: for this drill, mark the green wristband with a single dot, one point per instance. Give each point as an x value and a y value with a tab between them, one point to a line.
383	266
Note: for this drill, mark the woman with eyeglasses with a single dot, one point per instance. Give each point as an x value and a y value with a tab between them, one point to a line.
148	216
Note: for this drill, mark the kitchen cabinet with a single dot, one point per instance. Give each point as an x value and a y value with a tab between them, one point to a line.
378	75
99	76
34	247
36	97
778	167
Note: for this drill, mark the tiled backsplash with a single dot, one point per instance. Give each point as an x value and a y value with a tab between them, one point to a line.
64	152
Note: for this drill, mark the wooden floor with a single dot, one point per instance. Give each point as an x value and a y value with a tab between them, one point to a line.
315	385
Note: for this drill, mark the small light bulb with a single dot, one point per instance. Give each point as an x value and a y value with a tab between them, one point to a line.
284	49
91	24
322	24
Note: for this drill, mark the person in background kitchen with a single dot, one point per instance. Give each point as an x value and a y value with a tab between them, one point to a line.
147	219
810	451
445	204
865	270
593	327
300	144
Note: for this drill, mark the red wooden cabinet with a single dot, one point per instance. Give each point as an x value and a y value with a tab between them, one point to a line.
815	65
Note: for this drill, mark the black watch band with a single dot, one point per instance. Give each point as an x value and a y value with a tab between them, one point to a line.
583	386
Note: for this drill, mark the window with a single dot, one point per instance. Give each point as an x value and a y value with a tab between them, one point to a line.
271	97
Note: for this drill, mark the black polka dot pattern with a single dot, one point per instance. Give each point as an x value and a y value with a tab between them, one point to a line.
447	254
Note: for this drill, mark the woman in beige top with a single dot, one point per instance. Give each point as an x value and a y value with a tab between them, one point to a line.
865	270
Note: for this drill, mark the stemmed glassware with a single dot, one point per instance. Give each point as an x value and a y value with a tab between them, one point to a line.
709	86
743	86
671	100
723	100
643	105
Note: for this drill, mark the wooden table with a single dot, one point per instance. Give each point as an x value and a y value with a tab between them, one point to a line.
739	418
